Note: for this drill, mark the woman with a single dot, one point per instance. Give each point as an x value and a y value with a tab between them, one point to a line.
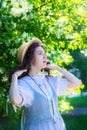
38	93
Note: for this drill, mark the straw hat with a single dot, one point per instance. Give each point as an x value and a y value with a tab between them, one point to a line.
24	47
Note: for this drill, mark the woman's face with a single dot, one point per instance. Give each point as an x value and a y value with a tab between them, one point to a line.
40	59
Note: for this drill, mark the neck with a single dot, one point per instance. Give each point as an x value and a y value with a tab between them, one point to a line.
34	71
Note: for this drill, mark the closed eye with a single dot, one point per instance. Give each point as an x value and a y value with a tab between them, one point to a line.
41	53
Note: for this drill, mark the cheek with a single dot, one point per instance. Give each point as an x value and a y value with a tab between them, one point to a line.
36	60
33	61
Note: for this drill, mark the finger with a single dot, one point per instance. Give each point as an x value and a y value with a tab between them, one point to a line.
24	70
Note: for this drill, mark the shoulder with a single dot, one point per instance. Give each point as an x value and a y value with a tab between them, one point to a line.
25	78
53	78
24	85
23	81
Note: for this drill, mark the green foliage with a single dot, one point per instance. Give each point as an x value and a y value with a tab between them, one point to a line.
79	63
64	105
61	25
12	119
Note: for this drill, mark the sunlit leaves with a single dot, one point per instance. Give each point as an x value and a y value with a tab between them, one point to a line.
64	105
20	7
57	23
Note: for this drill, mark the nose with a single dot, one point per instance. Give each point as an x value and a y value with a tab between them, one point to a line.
44	56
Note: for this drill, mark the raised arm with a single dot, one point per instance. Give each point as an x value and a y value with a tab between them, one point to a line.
73	81
14	94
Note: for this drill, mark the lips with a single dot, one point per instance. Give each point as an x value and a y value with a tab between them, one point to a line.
44	61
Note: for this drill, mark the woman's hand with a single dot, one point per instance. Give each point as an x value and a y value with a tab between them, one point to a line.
20	72
51	66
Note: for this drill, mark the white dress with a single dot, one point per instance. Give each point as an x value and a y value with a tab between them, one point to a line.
39	116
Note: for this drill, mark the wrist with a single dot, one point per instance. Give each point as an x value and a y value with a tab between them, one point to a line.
61	70
57	67
15	75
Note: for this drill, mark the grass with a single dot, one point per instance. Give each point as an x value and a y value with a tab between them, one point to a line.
75	122
78	101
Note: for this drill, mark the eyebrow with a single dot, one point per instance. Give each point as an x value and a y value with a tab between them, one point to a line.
41	50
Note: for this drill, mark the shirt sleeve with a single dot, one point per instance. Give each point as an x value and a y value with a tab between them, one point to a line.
59	84
25	92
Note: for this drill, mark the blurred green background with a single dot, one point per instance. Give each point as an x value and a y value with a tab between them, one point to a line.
62	27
